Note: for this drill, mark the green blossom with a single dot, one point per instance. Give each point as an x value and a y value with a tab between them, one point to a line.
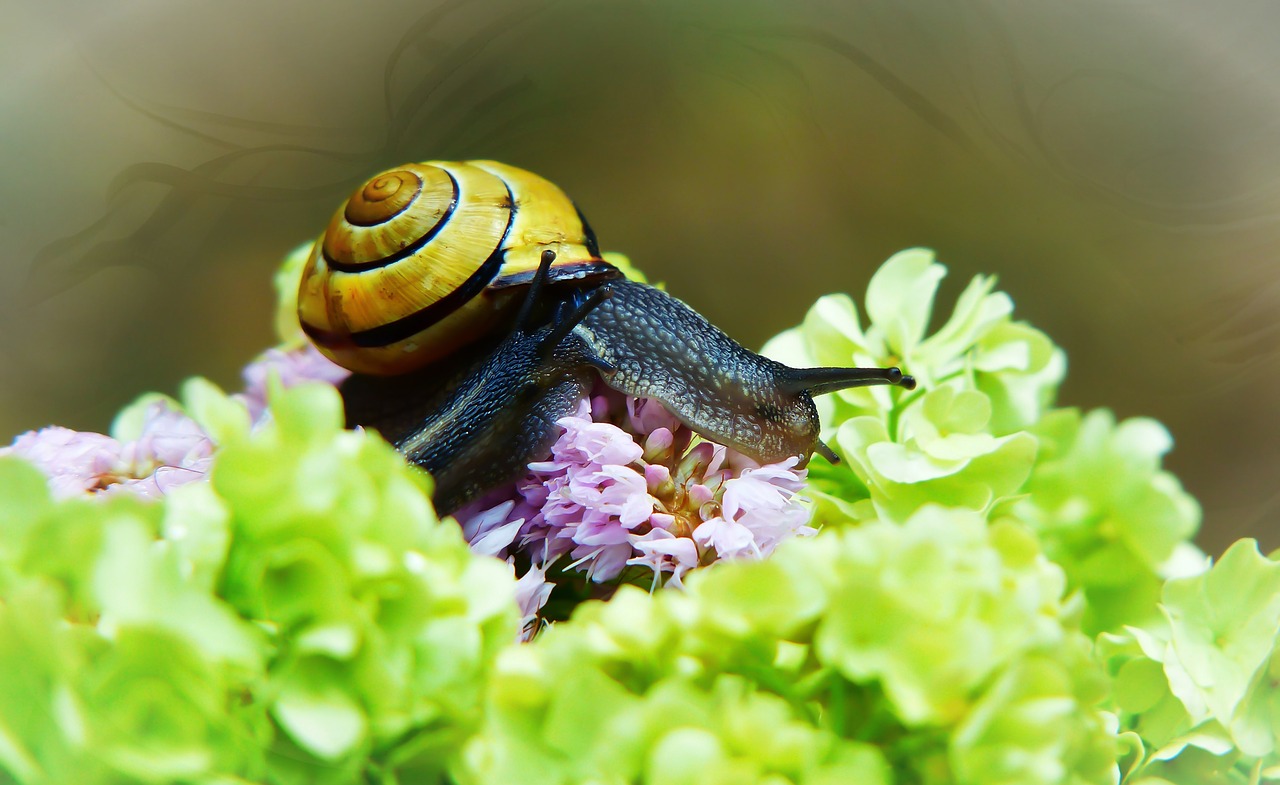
1029	725
943	455
979	434
1199	688
959	439
302	618
1106	511
940	646
942	603
1014	365
112	663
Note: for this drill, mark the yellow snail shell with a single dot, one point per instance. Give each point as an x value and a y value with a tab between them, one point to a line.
425	258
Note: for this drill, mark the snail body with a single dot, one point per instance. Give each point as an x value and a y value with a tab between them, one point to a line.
415	287
501	414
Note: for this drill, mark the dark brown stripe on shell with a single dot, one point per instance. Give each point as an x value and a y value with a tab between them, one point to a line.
593	245
405	252
323	337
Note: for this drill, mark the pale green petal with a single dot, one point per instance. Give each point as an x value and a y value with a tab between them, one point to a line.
901	464
197	524
288	279
1255	728
222	417
900	297
24	499
956	411
1225	624
1209	737
832	333
333	639
1142	438
322	719
1021	401
788	347
977	311
685	756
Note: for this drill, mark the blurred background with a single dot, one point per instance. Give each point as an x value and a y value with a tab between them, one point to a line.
1116	164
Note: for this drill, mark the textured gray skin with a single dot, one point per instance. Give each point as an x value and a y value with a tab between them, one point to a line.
397	405
653	345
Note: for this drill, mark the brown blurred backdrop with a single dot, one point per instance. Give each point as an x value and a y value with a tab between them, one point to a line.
1116	164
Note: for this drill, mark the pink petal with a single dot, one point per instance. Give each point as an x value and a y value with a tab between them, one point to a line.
729	538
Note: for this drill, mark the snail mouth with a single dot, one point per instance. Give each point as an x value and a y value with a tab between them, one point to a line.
587	270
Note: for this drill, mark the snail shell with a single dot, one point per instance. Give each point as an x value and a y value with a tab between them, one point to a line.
426	258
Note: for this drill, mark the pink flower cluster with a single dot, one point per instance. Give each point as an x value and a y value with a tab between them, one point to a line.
172	449
627	485
291	366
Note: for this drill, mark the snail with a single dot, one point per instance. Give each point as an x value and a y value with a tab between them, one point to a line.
500	415
471	301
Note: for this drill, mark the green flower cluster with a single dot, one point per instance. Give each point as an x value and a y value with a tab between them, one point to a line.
1108	514
935	651
958	439
302	618
1201	687
980	434
1003	592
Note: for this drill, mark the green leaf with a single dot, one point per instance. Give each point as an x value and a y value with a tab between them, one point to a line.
24	499
1224	626
222	417
900	297
320	716
287	279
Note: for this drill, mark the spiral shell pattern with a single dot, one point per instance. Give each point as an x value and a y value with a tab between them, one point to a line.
427	257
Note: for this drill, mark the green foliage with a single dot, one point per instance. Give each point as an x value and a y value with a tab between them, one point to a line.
981	433
286	279
1003	592
1107	513
1199	686
938	650
301	618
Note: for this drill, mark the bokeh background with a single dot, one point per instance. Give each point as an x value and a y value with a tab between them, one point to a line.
1116	164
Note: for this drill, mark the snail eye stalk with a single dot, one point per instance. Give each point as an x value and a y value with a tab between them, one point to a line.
535	289
820	381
